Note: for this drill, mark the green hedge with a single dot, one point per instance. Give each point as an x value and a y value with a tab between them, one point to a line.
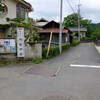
75	43
54	51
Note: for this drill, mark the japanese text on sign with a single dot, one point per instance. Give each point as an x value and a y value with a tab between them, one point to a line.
20	42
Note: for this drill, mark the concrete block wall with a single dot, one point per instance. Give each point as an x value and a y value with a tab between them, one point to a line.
8	57
31	51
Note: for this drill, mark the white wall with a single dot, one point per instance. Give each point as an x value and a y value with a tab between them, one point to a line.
11	4
33	51
12	10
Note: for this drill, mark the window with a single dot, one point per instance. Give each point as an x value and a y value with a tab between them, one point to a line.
21	11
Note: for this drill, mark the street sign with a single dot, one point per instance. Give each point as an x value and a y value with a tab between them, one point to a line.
20	42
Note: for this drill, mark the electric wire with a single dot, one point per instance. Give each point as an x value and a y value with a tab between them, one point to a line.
70	5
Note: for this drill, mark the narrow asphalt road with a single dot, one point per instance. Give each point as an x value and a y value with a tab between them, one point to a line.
71	83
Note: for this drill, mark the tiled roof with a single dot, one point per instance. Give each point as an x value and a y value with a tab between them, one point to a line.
54	30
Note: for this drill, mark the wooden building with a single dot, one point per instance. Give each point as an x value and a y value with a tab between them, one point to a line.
54	28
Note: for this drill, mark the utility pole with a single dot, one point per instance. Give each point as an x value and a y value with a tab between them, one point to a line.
79	21
60	31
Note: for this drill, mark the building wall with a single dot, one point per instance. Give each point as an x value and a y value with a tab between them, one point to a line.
12	13
12	10
11	4
40	24
55	38
2	35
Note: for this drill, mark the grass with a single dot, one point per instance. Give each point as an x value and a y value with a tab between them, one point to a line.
94	44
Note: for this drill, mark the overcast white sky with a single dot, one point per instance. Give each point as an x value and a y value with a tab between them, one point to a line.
50	9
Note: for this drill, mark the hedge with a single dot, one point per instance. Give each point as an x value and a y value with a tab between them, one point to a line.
54	51
75	43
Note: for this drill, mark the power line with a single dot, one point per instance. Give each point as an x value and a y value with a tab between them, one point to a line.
70	5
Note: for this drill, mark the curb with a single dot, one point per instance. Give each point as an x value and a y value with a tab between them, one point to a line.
98	49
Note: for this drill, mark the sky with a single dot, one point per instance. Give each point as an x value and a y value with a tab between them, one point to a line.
50	9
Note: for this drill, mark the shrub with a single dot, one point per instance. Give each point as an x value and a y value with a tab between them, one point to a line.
65	47
54	51
75	43
37	60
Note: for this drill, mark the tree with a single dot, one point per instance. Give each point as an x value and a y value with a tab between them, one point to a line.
85	22
96	34
72	21
28	24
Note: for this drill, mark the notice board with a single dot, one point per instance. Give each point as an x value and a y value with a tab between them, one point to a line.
7	45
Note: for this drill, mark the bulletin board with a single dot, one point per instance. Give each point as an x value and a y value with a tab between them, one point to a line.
7	46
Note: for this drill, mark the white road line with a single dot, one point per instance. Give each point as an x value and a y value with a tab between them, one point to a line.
27	69
85	66
57	71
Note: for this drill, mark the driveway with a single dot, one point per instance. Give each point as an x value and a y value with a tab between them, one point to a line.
73	82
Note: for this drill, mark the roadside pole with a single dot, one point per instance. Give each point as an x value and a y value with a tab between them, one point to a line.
60	31
79	21
49	43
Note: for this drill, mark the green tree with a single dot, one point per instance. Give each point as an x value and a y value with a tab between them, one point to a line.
85	22
28	24
72	21
96	34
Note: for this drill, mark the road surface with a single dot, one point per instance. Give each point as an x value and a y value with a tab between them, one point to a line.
78	78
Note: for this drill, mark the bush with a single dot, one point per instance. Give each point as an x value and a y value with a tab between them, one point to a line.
87	39
37	60
65	47
54	51
75	43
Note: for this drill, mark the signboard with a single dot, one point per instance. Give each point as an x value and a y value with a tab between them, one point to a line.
1	41
7	46
12	42
20	42
7	42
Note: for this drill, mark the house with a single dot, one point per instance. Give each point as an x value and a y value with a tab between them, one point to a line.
40	23
83	31
54	28
15	9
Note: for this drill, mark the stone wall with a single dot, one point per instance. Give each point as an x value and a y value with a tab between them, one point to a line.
8	57
31	51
